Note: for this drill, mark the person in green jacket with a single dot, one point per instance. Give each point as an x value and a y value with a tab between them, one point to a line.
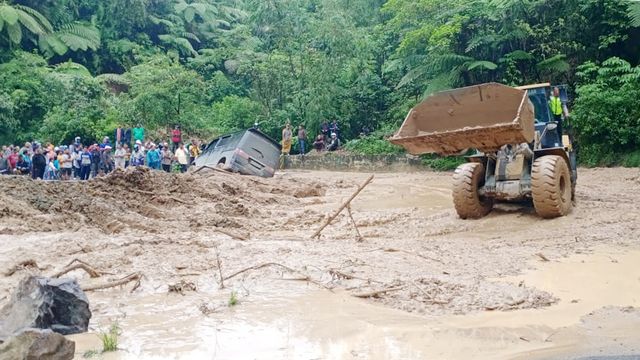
138	133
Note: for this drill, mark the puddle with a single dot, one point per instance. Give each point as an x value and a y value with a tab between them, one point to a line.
315	324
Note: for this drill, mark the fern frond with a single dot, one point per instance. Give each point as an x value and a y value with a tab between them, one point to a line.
555	64
41	19
634	12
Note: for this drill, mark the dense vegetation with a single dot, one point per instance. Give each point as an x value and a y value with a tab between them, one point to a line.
83	67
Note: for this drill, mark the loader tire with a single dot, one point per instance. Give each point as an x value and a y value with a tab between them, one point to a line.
467	179
551	186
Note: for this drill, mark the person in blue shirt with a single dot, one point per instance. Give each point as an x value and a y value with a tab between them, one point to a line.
153	158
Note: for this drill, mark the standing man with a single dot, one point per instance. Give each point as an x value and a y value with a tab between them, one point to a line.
85	164
558	109
138	133
286	139
194	149
66	165
120	156
176	137
302	139
107	160
153	157
167	158
38	164
182	157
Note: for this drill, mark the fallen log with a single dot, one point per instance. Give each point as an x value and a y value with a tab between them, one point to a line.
80	265
377	292
127	279
260	266
342	207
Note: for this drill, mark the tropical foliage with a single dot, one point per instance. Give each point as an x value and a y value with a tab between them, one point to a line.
83	67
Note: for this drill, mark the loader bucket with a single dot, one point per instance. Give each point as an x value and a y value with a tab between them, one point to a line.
483	117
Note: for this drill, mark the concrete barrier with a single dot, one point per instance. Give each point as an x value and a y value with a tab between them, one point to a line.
349	162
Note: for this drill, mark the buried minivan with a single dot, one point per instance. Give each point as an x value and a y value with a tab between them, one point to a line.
248	152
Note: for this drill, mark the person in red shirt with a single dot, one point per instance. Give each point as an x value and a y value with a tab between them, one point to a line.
13	160
176	137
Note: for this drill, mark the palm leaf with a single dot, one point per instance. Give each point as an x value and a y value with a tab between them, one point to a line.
413	75
51	45
8	14
189	14
30	23
482	64
519	55
634	12
41	19
15	33
555	64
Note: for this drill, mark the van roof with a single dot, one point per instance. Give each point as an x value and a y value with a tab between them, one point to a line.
252	130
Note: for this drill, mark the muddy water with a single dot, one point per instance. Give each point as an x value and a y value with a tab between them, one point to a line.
450	271
314	324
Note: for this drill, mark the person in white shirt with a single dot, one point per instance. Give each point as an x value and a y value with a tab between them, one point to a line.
182	157
120	157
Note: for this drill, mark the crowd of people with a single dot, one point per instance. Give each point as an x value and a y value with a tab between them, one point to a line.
328	138
78	161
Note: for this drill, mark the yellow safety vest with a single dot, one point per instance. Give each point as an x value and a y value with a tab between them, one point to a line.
556	105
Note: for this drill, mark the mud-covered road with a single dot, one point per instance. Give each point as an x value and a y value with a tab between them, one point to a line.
510	285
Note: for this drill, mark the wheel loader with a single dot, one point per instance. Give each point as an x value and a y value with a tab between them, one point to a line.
520	154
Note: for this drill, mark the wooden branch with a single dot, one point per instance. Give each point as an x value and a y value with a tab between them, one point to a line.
542	257
378	292
257	267
81	265
219	269
410	253
133	277
359	237
344	205
231	234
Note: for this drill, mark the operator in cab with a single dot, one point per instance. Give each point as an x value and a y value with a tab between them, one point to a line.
558	109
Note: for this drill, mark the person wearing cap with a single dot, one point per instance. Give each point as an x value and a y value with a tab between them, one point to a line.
153	157
334	143
137	156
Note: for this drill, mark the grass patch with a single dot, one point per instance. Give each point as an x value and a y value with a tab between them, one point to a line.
110	338
233	299
90	353
442	163
372	145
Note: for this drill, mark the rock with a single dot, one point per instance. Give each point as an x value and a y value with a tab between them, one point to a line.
43	303
37	344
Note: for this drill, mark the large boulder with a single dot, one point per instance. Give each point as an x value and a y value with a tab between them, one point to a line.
43	303
37	344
